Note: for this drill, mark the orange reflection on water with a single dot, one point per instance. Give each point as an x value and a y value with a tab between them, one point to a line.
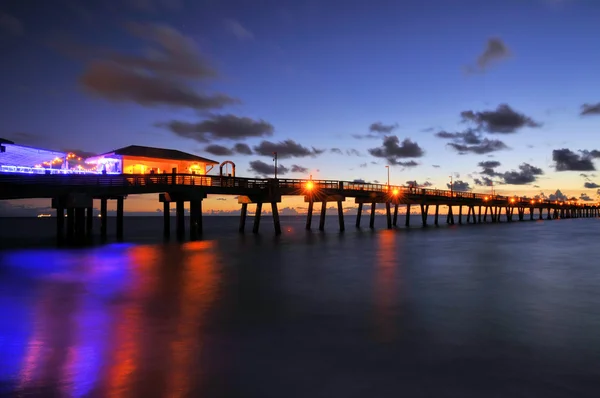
142	261
200	282
386	285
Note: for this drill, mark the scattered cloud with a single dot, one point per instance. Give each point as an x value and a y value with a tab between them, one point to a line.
379	127
336	150
503	120
298	169
459	186
363	165
242	149
495	51
353	152
286	149
156	77
525	175
265	169
486	146
585	197
218	150
488	167
238	30
415	184
567	160
221	127
392	150
436	166
590	109
591	185
366	136
10	25
558	195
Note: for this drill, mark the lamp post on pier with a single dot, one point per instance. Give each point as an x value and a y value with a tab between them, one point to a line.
451	187
388	176
275	160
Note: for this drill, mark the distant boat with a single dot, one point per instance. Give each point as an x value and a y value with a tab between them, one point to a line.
44	215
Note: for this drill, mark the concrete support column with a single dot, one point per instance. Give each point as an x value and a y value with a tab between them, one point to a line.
460	215
199	218
180	219
388	214
437	213
243	214
70	224
257	216
120	211
450	216
341	215
309	215
323	214
166	219
60	225
372	219
395	220
193	220
479	216
89	221
276	223
103	218
469	214
407	221
79	224
359	215
424	213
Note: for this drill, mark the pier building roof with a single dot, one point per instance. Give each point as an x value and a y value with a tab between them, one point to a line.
21	155
157	153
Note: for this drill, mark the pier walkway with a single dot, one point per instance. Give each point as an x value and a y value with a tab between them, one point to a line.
75	194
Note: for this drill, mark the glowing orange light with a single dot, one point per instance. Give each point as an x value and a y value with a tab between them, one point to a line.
512	200
395	192
486	198
533	201
310	185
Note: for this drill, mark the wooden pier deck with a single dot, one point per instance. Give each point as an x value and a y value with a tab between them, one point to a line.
75	195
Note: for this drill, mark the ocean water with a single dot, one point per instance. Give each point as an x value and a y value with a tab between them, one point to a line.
508	310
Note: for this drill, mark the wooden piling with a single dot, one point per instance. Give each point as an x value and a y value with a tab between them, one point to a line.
60	225
372	219
437	212
359	215
341	215
120	210
323	214
104	218
243	215
309	215
180	219
388	214
257	216
424	213
395	220
276	222
407	221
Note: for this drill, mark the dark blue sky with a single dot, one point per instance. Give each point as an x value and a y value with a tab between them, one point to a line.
86	75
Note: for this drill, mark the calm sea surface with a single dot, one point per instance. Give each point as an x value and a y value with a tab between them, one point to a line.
509	310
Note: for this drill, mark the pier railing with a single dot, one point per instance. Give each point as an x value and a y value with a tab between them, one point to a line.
299	186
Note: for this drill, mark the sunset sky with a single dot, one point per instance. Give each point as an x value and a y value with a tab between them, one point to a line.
484	90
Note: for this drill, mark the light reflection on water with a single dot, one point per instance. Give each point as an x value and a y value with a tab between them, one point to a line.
464	311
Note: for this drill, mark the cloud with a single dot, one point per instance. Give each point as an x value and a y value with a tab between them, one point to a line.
503	120
10	25
467	137
238	30
157	77
558	195
590	109
486	146
359	181
392	150
379	127
585	197
221	127
415	184
483	181
436	166
299	169
366	136
286	149
407	164
591	185
265	169
567	160
336	150
525	175
353	152
459	186
218	150
363	165
242	149
488	167
495	51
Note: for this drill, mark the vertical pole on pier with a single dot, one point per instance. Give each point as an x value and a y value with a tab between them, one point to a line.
407	222
341	215
166	219
395	220
256	225
60	225
89	222
120	208
323	214
180	219
243	214
479	216
437	212
193	220
103	218
424	213
276	222
388	214
309	215
70	224
450	216
460	214
468	214
358	215
372	220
